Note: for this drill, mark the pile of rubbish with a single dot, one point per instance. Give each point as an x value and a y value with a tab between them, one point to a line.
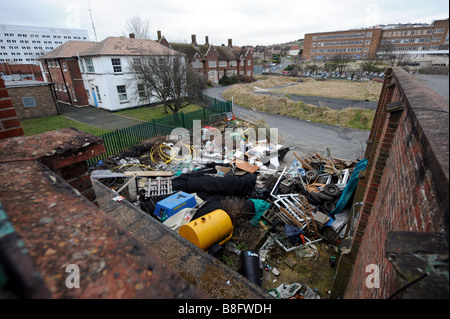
208	196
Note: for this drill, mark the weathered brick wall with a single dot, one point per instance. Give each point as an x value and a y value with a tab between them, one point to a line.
43	96
9	122
48	225
405	186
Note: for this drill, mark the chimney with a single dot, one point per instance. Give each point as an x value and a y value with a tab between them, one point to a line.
194	40
132	36
159	35
206	40
230	43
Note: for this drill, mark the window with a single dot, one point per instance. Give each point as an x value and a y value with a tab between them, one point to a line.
117	67
73	93
28	101
121	90
90	65
141	91
222	64
64	66
197	64
212	64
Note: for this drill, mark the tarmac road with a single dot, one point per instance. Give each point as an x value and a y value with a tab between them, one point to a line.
336	104
305	136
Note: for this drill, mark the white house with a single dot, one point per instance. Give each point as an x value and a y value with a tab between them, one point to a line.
106	71
294	50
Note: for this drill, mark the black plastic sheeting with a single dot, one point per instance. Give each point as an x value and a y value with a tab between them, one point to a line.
214	189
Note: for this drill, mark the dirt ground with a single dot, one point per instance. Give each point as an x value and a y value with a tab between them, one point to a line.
294	267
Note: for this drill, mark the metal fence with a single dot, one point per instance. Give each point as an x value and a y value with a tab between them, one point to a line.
120	140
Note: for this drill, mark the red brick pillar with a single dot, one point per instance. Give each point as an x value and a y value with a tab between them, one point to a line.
63	151
9	122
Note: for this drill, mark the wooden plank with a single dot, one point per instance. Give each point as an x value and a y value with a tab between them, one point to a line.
304	164
148	173
291	218
245	166
126	184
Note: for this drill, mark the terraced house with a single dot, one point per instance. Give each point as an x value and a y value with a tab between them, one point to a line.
213	61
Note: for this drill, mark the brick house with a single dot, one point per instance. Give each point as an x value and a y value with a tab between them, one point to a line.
214	61
61	67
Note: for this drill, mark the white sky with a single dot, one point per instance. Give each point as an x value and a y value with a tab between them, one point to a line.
246	22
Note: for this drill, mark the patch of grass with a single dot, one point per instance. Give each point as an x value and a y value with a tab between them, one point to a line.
56	122
350	117
336	89
149	113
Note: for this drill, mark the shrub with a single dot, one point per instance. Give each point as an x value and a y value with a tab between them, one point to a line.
230	80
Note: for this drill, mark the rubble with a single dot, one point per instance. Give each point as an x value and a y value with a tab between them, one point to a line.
273	210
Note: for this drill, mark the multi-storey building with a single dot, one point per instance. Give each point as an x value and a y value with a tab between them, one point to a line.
356	44
416	38
99	73
24	44
412	39
214	61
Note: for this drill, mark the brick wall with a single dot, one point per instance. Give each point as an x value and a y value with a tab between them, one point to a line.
43	96
9	122
47	225
76	81
405	185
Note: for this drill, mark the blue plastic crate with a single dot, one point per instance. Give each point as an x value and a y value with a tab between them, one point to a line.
173	204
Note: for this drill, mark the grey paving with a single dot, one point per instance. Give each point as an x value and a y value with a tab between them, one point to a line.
97	117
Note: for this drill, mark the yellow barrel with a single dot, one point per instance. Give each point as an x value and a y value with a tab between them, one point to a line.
210	229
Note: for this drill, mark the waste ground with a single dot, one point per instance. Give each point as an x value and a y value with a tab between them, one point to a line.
278	220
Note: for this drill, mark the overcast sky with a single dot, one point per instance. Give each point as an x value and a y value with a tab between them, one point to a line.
246	22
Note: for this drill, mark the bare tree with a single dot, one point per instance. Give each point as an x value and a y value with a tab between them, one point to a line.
386	52
140	27
167	79
340	61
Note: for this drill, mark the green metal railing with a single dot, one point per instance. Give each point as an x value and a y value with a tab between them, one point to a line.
120	140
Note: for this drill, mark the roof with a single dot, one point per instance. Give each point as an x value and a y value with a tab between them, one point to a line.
128	46
188	49
23	83
226	53
68	50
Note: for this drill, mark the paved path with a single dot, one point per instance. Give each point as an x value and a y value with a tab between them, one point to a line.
306	136
97	117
